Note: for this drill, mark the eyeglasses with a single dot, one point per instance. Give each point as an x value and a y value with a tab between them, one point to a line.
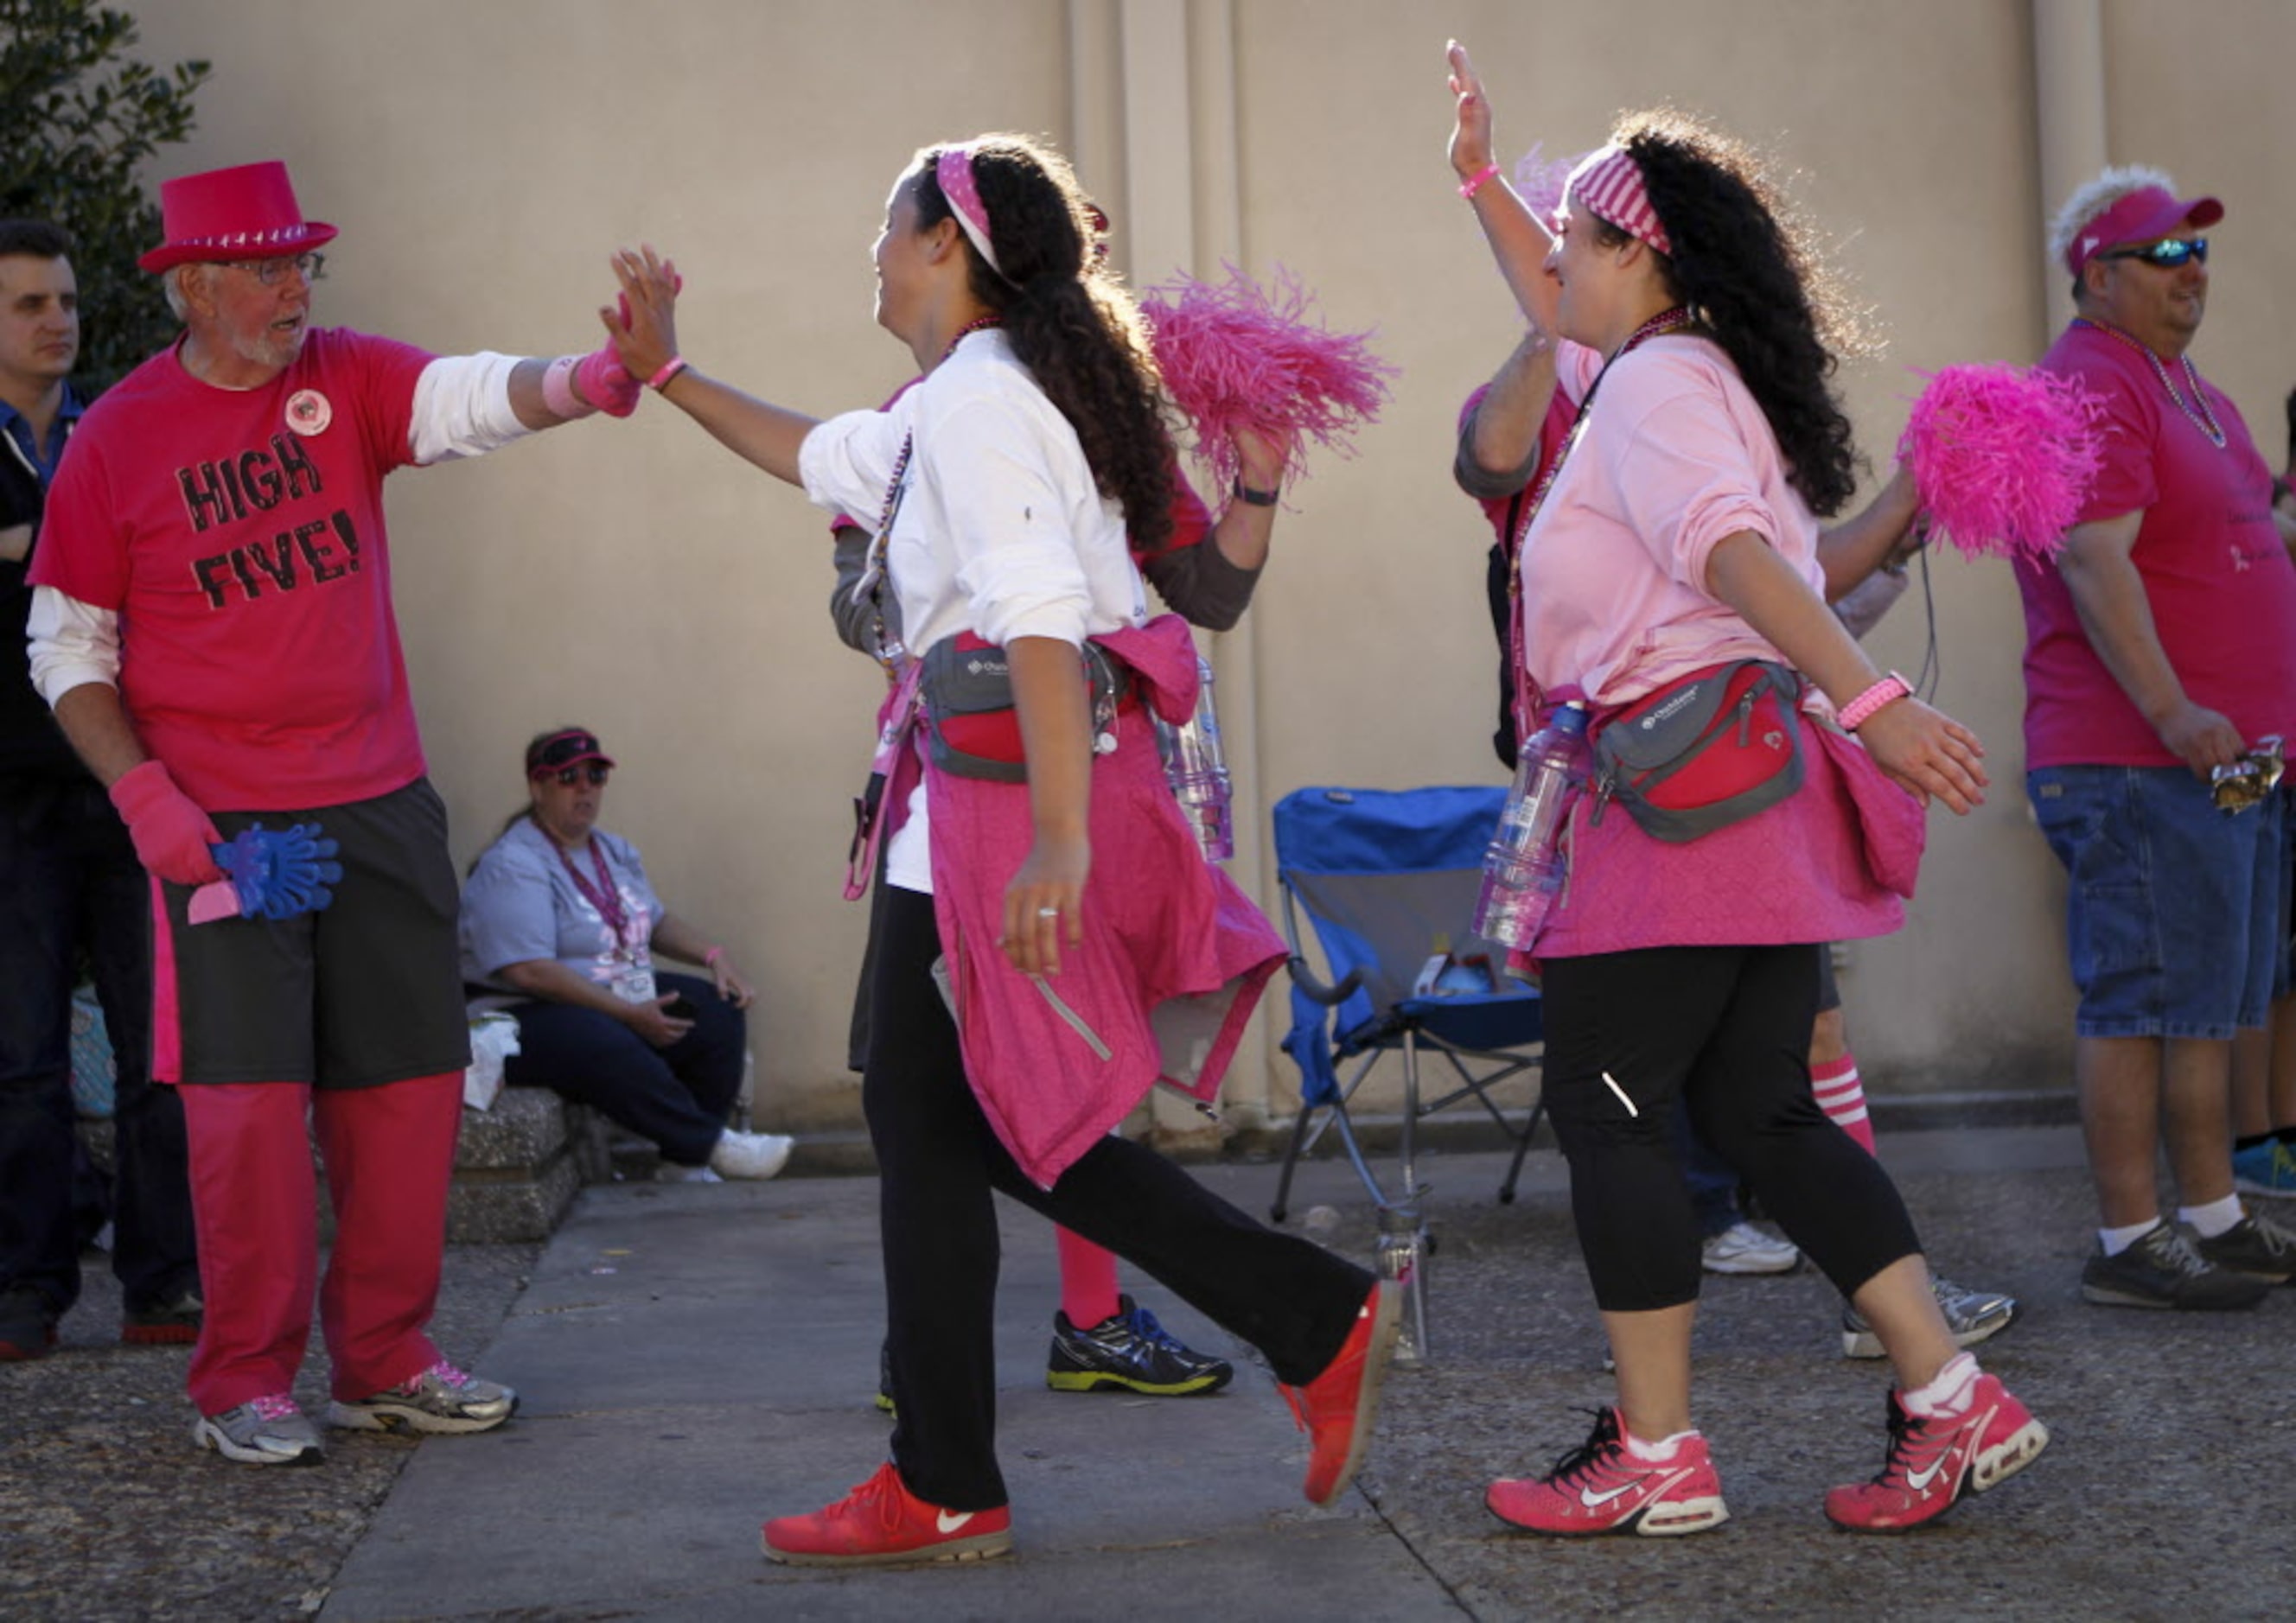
271	272
572	775
2169	254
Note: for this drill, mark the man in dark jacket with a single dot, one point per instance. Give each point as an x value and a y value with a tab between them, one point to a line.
68	880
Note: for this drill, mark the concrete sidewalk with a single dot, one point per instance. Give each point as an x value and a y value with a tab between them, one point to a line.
695	1358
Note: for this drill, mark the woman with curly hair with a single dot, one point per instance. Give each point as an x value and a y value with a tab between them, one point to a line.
1048	930
1673	552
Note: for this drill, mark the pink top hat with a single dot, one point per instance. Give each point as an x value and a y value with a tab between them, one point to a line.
244	213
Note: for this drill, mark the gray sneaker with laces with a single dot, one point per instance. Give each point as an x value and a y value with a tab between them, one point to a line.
1972	1316
269	1430
2162	1270
2256	1246
442	1398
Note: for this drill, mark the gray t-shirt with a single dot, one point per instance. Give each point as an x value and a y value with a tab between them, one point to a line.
522	904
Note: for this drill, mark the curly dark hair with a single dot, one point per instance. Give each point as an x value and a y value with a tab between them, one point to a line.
1743	269
1069	322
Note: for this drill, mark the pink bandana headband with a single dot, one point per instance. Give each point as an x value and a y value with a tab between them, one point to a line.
954	169
1608	183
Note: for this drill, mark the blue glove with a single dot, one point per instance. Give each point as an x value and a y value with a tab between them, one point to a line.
280	874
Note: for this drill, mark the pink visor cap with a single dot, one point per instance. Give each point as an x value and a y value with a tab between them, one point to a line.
2144	216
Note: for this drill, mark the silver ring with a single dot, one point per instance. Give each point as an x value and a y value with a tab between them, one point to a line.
1048	913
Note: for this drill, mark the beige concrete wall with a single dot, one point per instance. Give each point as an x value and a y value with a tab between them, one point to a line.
634	577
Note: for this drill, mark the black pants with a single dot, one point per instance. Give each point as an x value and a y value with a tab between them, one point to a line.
939	1160
1727	1028
678	1096
69	880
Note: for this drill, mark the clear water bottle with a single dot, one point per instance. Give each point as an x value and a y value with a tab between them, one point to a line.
1197	769
1523	869
1403	1263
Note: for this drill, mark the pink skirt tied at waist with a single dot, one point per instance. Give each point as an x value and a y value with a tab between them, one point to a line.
1834	862
1174	959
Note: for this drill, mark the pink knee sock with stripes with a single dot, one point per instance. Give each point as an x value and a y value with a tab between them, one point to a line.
1842	1097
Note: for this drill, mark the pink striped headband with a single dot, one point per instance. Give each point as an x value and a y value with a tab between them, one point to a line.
1608	183
954	169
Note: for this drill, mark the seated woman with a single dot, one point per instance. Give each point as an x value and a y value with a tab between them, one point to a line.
561	926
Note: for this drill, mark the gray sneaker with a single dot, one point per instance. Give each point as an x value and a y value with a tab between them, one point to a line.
1743	1249
263	1432
2162	1270
442	1398
2256	1246
1972	1316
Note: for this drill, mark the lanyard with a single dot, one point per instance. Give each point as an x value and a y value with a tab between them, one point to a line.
604	896
1526	697
871	585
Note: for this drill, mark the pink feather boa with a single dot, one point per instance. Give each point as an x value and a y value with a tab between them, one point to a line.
1241	356
2003	457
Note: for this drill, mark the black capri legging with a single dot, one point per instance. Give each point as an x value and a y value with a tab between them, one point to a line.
940	1161
1727	1028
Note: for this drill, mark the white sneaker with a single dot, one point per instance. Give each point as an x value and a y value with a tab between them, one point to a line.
749	1155
670	1172
1743	1249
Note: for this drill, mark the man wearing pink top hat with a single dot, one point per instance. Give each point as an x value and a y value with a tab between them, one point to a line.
212	624
2157	657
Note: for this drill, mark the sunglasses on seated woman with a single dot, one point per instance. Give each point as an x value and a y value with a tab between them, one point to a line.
572	775
2168	254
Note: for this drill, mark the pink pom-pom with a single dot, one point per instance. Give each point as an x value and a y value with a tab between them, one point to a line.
2003	457
1540	182
1242	357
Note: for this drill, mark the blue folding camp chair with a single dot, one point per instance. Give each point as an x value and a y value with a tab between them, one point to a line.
1383	876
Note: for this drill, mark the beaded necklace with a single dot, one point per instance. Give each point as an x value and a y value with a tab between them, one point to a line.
871	582
1526	699
2196	411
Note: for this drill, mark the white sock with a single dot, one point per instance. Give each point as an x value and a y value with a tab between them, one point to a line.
1658	1453
2116	1241
2210	1220
1949	1392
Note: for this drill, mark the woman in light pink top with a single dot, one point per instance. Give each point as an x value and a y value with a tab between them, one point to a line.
1678	533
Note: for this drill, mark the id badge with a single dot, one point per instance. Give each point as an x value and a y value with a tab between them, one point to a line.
634	985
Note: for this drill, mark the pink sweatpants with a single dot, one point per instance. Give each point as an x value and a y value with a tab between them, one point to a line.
389	1153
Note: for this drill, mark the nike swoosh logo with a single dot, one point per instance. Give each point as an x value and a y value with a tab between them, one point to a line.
1919	1480
1592	1500
948	1521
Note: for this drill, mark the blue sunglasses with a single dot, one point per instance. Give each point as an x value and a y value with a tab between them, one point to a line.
2168	254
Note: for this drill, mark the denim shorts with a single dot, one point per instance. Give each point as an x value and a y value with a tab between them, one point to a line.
2177	918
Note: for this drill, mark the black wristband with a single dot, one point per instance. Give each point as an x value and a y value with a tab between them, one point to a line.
1256	498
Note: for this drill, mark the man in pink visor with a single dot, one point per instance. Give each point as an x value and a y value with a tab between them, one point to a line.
2157	659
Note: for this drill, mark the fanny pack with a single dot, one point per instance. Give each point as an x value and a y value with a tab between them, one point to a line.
971	726
1704	753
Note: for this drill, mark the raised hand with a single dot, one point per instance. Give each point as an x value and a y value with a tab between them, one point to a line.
643	322
1471	132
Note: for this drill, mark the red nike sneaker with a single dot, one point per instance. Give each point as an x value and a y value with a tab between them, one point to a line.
1600	1486
1934	1462
1335	1409
882	1524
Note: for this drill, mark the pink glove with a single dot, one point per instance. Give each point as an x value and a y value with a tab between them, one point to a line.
606	383
171	834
